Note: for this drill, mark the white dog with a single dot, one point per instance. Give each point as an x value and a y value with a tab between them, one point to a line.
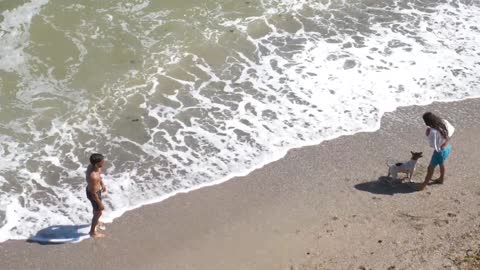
407	167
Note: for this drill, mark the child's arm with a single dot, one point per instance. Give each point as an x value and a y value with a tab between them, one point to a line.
104	189
99	202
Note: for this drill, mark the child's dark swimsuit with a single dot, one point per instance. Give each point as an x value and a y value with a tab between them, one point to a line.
95	205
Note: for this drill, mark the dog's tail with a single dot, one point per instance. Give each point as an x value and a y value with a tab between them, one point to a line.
389	162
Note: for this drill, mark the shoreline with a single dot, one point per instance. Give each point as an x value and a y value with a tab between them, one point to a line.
118	214
270	219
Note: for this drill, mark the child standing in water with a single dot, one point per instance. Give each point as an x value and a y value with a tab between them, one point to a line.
94	190
439	131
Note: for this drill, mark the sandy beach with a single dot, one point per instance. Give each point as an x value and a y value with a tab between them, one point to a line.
321	207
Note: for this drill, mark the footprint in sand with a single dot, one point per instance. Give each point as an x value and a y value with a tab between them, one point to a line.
440	222
451	215
418	226
415	221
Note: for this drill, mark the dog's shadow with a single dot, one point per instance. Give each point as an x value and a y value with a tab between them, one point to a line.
386	186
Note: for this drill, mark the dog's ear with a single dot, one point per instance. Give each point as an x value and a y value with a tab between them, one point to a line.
411	152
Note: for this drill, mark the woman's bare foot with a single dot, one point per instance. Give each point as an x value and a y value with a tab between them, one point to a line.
422	187
97	235
438	181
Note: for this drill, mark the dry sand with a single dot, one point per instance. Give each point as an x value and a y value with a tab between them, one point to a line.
320	207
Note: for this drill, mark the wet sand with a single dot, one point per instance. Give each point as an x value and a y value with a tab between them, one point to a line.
321	207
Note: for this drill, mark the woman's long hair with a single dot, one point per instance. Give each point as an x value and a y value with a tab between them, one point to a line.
435	122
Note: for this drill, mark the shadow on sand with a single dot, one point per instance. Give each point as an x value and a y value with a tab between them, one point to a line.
384	185
60	234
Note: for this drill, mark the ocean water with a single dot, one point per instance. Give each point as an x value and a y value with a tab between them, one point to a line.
183	94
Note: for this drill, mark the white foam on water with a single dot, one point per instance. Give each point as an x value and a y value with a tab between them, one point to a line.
14	34
413	77
299	88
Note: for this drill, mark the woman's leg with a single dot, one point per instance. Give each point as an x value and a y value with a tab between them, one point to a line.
442	174
445	153
428	177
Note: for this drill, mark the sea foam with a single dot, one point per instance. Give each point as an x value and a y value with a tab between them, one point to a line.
201	107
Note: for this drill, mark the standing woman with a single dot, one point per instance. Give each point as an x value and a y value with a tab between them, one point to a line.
439	131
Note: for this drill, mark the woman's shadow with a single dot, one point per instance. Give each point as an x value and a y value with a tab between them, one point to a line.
61	234
386	186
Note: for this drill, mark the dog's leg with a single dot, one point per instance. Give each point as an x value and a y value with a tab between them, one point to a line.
394	175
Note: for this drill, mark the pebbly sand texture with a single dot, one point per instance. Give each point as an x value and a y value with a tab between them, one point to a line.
320	207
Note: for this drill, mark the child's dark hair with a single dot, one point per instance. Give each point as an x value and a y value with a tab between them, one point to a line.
96	158
435	122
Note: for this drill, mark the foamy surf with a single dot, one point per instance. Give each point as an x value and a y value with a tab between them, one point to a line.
180	96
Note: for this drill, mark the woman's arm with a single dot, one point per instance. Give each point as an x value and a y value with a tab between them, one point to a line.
445	143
